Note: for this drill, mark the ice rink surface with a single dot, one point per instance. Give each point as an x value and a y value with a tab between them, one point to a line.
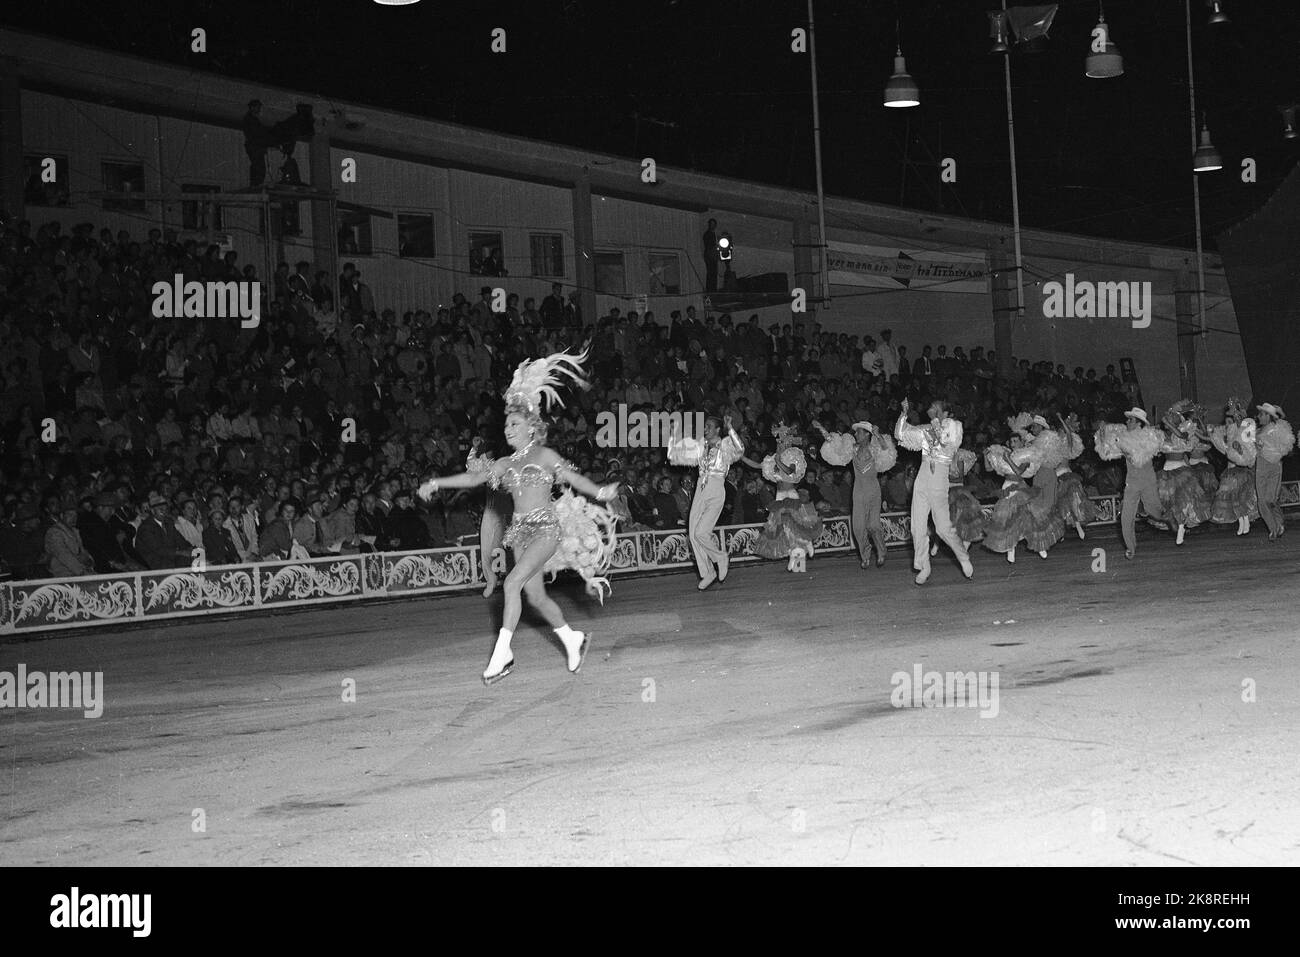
1146	715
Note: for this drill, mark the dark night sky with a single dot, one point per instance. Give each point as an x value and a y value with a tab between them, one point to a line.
1110	158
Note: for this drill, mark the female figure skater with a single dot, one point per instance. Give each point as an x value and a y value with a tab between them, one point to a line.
871	454
1236	500
545	535
793	525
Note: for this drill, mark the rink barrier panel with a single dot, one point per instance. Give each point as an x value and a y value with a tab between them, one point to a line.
134	597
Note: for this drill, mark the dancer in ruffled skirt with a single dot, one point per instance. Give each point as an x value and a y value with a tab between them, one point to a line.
1236	499
871	454
793	525
1007	523
1073	505
1183	497
546	535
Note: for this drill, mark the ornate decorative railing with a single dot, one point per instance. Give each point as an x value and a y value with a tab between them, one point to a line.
30	606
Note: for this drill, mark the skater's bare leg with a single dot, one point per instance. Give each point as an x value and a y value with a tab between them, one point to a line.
528	564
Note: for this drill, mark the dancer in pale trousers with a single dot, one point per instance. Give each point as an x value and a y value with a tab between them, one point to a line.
1137	444
714	456
937	442
1274	439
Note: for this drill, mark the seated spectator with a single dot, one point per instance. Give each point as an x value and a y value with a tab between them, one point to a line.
218	546
403	528
157	541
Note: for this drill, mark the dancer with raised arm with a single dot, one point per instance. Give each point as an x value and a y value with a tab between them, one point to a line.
1236	500
937	442
1183	495
1137	443
545	535
793	525
1274	440
871	454
714	457
1072	503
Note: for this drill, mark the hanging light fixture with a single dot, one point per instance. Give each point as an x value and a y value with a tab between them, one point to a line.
998	31
1103	60
1288	121
901	90
1217	15
1206	159
396	3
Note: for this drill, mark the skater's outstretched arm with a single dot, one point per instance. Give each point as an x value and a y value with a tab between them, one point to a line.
601	493
463	480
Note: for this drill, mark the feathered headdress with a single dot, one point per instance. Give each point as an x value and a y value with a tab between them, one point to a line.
1183	416
1020	423
1236	408
537	380
785	434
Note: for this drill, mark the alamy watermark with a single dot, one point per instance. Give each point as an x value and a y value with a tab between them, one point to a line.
1098	300
57	689
208	300
946	689
619	429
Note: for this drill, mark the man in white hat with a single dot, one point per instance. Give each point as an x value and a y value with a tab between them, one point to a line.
938	443
872	451
1274	439
1140	479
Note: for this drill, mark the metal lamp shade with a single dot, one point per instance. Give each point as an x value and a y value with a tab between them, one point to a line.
1206	159
901	90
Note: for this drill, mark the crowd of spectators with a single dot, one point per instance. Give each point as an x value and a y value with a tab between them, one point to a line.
129	441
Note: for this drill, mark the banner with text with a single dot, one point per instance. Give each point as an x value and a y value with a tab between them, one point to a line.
888	267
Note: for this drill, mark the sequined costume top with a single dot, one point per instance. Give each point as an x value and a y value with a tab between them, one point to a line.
713	459
937	442
529	475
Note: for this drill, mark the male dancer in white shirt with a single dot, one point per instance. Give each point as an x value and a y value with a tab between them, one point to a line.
1274	439
715	459
937	442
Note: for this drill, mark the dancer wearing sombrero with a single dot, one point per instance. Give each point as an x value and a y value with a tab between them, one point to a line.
1137	443
714	458
1274	440
545	535
871	454
937	442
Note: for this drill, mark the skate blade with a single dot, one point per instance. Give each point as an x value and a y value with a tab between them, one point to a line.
582	653
489	681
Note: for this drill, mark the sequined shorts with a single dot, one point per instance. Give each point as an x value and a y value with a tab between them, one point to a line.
531	525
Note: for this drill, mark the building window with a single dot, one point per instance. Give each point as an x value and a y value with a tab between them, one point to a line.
415	236
546	252
354	233
610	277
200	215
485	255
46	179
123	178
665	279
